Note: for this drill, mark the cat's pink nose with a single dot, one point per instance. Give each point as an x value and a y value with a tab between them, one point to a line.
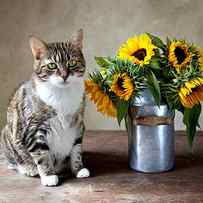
64	74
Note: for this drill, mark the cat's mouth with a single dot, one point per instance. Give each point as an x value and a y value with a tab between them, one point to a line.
62	84
59	82
65	82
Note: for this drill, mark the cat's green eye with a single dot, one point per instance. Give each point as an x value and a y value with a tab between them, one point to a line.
52	66
72	63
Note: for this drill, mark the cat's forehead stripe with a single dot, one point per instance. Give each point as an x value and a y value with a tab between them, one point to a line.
57	57
59	51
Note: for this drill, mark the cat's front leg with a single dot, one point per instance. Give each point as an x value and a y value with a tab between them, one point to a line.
45	168
42	158
76	163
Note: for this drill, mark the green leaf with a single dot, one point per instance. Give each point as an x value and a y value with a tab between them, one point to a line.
96	77
168	41
126	122
170	94
190	119
155	64
122	110
157	41
103	62
153	86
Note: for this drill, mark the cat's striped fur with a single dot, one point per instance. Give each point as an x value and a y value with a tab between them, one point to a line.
44	129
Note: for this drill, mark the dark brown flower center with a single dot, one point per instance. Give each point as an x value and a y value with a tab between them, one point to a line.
197	89
140	54
180	54
120	82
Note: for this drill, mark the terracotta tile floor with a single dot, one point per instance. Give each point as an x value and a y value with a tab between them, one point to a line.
112	180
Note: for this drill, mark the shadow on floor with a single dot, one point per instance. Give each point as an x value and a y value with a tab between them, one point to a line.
188	162
104	163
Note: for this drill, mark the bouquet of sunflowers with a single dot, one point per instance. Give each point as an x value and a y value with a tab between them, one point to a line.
172	70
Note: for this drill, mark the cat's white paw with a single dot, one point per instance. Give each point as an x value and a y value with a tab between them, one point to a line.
83	173
51	180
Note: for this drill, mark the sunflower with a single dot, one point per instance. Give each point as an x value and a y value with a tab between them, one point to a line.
100	98
179	55
122	86
192	92
200	58
137	49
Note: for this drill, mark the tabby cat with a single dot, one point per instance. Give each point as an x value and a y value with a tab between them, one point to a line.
44	129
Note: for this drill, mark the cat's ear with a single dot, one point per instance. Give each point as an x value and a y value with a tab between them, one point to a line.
77	39
38	47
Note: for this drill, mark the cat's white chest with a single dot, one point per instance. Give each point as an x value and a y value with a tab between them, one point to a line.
66	102
61	137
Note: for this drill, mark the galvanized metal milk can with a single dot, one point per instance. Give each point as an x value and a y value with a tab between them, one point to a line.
151	135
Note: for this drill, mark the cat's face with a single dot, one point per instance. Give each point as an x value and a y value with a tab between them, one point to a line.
59	64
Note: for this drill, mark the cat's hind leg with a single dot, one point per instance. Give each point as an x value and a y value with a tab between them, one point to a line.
28	170
17	157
